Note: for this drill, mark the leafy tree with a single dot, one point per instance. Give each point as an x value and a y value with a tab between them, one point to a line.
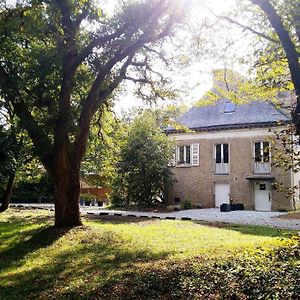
288	33
277	66
143	175
15	152
105	139
62	60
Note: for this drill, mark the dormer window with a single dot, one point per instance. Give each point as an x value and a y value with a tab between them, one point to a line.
229	107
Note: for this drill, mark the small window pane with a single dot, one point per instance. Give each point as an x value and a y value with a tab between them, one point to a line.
181	155
257	152
218	153
266	153
225	153
262	187
188	154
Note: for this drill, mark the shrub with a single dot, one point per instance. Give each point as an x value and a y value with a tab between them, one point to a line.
263	274
186	205
143	176
87	197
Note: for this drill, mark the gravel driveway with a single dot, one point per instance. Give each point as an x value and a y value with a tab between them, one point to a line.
206	214
214	215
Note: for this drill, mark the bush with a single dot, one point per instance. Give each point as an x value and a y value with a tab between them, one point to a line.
143	176
87	197
263	274
33	189
186	205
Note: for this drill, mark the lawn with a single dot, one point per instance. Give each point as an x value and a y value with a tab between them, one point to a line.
119	258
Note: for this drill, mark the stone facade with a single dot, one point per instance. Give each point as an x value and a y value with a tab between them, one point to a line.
197	183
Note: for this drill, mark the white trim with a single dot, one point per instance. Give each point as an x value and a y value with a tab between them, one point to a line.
195	155
227	171
269	163
184	156
237	133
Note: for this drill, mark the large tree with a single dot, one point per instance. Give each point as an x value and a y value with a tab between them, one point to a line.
288	33
60	62
277	24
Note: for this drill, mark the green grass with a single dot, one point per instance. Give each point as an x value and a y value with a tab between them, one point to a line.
38	261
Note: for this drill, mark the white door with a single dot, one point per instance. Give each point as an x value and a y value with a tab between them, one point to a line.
221	193
262	196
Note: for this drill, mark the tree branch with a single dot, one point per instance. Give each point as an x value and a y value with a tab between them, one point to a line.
289	48
86	115
250	29
42	144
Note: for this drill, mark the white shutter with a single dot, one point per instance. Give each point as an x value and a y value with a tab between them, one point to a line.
172	161
195	154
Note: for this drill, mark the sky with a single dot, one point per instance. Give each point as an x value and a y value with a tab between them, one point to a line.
198	76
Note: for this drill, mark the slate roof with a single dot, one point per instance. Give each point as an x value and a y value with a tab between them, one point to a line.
212	117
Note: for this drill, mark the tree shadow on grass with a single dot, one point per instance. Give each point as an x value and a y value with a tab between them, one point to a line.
249	229
29	241
118	219
71	273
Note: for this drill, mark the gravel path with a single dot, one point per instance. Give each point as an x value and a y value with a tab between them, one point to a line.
246	217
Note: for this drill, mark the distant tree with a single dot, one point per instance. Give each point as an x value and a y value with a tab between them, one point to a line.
105	139
15	152
60	62
143	176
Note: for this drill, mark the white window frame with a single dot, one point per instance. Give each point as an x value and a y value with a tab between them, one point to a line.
222	158
194	155
184	155
267	171
262	150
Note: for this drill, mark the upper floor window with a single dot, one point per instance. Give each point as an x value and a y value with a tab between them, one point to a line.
184	155
221	158
262	151
222	154
262	157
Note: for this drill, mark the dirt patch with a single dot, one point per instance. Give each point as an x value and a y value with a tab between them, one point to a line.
290	216
120	219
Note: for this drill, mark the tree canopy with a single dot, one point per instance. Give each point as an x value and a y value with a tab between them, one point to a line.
60	63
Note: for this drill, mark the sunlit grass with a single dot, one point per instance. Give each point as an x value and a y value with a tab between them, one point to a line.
39	261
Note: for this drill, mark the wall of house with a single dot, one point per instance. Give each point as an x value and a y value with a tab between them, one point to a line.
296	185
196	183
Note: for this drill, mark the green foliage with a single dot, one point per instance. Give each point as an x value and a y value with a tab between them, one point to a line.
105	140
186	205
260	274
143	176
16	152
87	197
33	185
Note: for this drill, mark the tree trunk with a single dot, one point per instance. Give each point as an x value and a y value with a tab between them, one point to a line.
66	192
8	192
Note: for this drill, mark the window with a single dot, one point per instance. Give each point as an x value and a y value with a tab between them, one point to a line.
188	155
262	152
222	153
229	107
184	155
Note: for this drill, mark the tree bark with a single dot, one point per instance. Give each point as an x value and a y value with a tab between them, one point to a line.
8	192
66	178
